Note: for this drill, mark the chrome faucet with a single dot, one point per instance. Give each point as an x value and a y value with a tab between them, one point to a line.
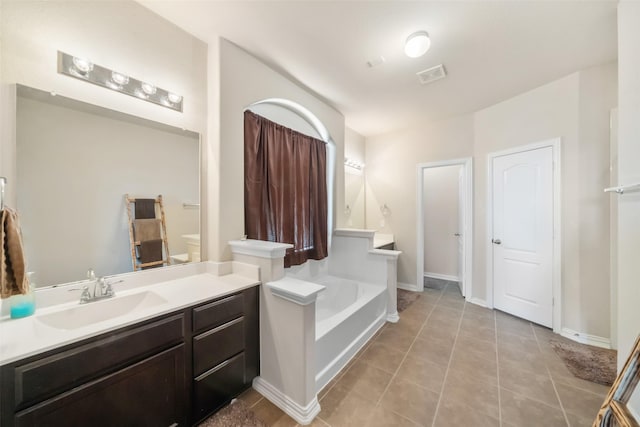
101	289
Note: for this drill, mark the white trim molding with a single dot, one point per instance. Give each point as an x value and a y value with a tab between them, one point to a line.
302	414
409	287
477	301
583	338
467	233
555	144
441	276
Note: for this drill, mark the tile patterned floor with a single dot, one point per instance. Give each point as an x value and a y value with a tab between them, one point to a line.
451	363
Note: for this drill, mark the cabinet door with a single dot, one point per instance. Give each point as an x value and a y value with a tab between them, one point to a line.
148	393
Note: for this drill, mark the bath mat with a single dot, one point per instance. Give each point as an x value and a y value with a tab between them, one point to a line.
589	363
406	298
235	414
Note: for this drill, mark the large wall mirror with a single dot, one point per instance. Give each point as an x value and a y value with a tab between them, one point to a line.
75	163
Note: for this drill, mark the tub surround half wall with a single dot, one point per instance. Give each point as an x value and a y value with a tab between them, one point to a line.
287	331
353	247
289	375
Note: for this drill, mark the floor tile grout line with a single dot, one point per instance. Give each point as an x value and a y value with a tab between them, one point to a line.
553	383
408	350
446	372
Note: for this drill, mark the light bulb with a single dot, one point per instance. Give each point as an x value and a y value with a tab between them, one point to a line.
82	65
148	88
174	98
119	78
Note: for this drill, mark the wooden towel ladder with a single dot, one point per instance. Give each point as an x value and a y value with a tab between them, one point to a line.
135	245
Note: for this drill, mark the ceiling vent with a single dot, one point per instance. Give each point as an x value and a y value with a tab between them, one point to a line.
432	74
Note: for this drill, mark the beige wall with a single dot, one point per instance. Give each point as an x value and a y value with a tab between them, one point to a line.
391	161
598	97
628	173
441	199
576	109
243	81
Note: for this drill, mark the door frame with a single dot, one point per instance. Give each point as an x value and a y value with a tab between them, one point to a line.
467	241
556	277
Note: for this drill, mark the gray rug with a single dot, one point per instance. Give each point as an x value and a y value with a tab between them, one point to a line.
589	363
406	298
235	414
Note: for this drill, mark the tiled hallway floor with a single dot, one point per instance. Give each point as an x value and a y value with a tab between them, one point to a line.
451	363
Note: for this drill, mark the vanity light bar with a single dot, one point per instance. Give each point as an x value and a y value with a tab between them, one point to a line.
84	69
353	163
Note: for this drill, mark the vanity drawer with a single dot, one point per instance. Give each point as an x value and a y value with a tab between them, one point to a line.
216	387
213	347
64	370
218	312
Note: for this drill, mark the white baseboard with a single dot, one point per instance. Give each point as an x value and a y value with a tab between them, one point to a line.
441	276
586	338
478	301
393	317
407	286
304	415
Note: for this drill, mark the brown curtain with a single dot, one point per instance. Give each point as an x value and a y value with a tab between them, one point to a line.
285	188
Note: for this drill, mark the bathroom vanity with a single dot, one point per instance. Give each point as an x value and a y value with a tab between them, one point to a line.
172	360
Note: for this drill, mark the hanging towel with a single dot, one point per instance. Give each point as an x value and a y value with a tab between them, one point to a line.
146	229
150	251
145	208
13	271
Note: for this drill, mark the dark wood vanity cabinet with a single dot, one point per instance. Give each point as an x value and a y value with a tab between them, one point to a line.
225	350
172	370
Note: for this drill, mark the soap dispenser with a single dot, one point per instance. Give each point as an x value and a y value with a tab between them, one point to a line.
23	305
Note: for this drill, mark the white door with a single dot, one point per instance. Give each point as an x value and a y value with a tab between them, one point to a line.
460	233
523	234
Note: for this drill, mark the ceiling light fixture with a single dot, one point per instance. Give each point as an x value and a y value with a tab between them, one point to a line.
353	163
417	44
86	70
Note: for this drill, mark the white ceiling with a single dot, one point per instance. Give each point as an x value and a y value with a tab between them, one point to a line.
492	50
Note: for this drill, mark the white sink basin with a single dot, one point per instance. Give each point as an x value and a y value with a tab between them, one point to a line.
99	311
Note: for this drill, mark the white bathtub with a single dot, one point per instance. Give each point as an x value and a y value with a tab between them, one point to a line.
348	314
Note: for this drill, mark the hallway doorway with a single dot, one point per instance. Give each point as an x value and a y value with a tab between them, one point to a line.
444	223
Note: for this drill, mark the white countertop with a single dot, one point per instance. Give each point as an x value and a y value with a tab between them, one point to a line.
20	338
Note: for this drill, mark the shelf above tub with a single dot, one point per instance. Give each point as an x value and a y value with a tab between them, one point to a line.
259	248
295	290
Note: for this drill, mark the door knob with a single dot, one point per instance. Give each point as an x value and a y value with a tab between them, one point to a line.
457	234
496	241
